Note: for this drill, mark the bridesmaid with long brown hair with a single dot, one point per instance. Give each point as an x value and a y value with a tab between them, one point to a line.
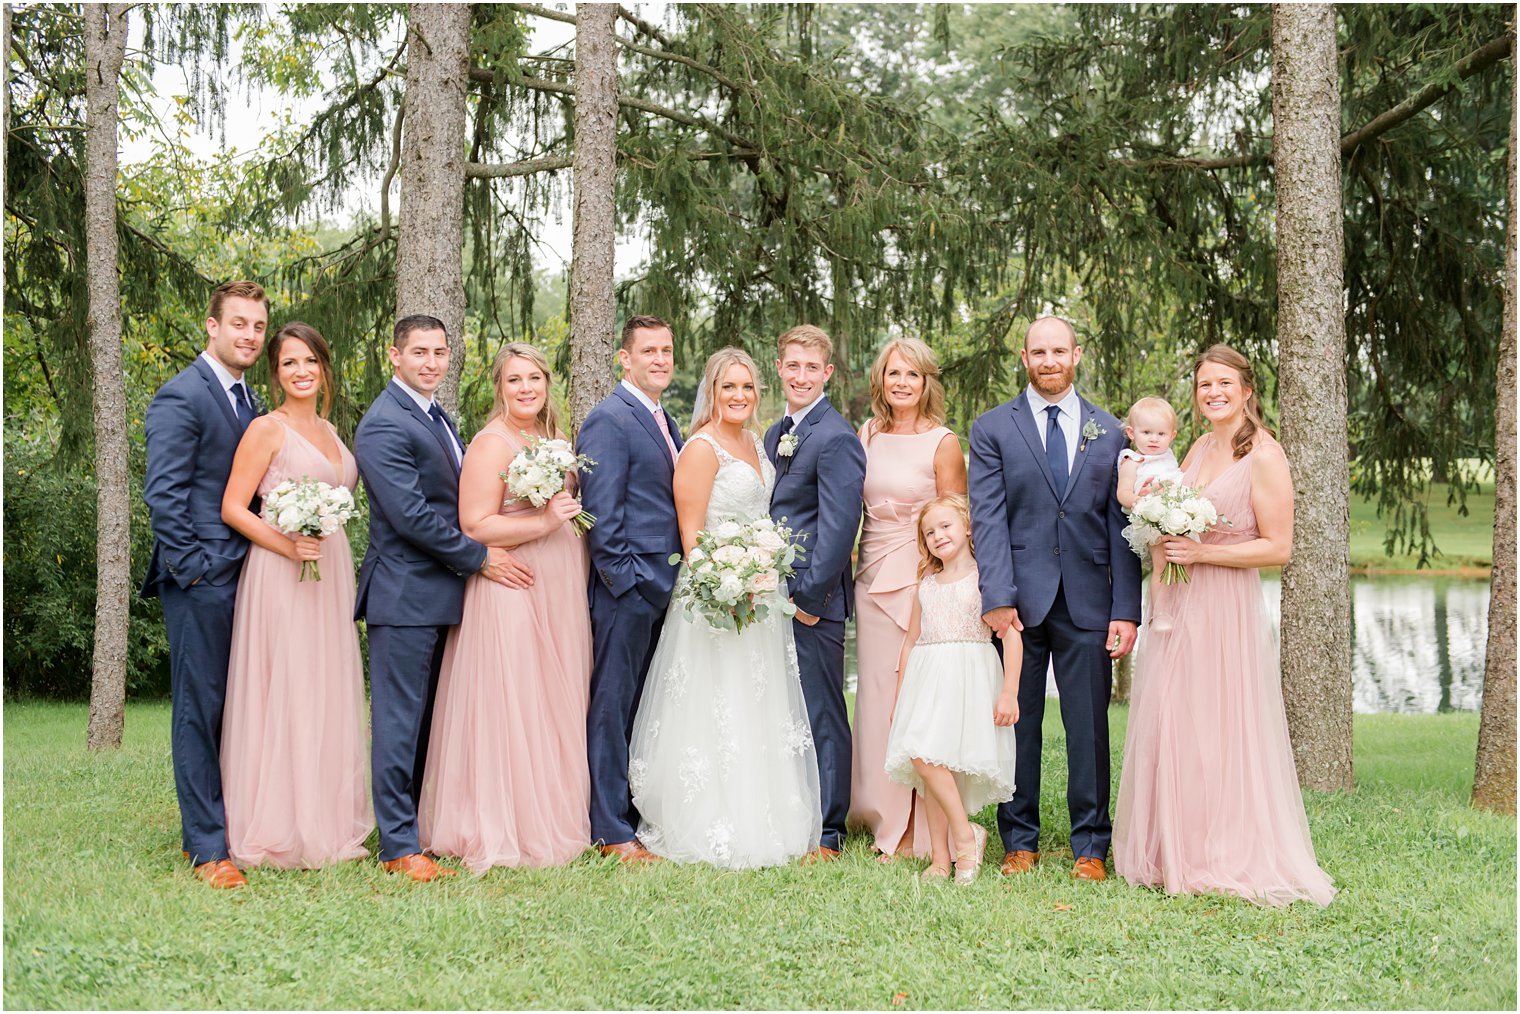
293	733
1209	801
911	458
507	782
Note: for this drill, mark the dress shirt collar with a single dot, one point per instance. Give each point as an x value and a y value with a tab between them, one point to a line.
222	373
1070	405
801	413
423	401
644	400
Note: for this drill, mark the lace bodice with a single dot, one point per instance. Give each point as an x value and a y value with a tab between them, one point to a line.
951	611
738	493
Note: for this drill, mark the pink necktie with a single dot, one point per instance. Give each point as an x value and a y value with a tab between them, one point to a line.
659	419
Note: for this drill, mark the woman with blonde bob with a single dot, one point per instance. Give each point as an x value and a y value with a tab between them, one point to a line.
507	781
911	459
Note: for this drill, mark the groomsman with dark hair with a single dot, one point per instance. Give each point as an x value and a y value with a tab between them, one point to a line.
411	584
1055	565
821	472
193	427
634	443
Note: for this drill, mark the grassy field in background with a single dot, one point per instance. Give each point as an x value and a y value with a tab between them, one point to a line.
101	912
1465	542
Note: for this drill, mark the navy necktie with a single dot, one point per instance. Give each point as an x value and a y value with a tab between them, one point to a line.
448	435
1055	449
787	424
244	407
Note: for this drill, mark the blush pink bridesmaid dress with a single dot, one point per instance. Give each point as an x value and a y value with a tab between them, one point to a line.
1208	798
899	481
507	781
294	740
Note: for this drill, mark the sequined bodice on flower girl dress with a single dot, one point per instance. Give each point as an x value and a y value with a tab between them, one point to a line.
722	767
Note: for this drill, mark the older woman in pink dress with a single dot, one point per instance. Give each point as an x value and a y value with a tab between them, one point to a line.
507	782
294	749
1209	801
911	458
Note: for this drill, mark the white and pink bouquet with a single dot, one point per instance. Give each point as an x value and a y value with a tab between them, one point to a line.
308	507
1170	508
539	470
735	570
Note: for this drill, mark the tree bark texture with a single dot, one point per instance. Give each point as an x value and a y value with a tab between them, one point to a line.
1311	341
5	93
430	233
1494	779
593	300
105	31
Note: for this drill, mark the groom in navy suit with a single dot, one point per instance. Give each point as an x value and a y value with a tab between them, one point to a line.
193	427
411	584
634	443
821	471
1055	565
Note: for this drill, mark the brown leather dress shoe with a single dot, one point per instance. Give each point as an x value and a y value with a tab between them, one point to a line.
821	854
221	874
630	852
1018	862
1089	868
418	867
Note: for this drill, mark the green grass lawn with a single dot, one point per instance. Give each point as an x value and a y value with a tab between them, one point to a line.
1465	542
101	912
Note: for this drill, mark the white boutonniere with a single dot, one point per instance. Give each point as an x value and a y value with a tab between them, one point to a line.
1091	431
786	445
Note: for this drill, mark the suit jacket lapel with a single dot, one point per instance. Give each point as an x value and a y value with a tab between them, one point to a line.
1088	414
646	420
219	395
1024	422
426	421
773	441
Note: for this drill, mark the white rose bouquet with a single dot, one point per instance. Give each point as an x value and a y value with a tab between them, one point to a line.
311	508
734	571
538	472
1170	508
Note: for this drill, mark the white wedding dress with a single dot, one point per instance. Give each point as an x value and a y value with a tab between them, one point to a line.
722	766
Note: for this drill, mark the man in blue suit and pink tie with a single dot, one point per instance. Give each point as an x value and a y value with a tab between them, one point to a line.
192	428
1055	565
634	443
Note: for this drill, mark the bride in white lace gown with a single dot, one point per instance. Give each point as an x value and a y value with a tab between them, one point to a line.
721	766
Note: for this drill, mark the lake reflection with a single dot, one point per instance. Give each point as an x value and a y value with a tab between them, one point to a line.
1418	643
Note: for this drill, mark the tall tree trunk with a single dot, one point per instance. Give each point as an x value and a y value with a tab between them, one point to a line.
593	300
430	230
1494	780
1311	343
5	96
105	45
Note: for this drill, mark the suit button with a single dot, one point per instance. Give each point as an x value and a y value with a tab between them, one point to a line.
1061	514
1058	550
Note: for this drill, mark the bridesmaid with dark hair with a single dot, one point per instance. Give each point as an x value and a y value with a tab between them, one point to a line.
293	734
507	780
1209	801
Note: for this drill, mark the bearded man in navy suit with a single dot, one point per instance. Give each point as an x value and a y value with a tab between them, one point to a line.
1054	565
820	474
193	427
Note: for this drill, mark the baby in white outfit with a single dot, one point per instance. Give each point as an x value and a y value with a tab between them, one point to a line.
1151	426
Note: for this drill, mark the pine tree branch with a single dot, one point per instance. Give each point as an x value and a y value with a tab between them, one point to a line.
643	26
390	173
1475	62
478	170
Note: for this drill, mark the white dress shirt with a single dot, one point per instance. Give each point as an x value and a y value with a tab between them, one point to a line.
229	382
425	403
653	406
1070	415
801	413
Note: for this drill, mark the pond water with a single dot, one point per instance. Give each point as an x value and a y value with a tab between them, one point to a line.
1418	643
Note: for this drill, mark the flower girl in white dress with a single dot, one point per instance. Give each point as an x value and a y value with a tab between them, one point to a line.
952	724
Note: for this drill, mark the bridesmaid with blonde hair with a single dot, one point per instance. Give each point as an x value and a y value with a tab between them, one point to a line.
507	782
911	459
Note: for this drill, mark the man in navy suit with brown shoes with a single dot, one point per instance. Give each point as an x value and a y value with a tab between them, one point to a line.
193	427
1054	565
